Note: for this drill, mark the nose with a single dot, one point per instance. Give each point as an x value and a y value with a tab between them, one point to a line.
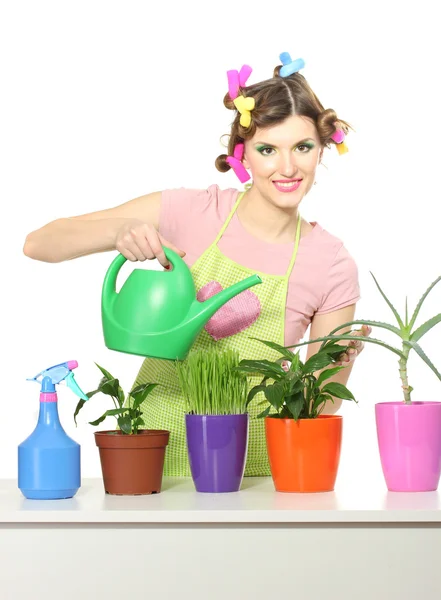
288	164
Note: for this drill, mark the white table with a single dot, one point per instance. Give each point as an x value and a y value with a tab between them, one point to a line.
356	543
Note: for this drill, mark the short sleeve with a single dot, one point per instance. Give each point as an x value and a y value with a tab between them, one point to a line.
180	207
341	285
191	218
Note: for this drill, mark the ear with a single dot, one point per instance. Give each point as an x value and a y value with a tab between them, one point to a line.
320	155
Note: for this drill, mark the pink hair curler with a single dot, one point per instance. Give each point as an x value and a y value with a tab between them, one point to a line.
237	79
235	163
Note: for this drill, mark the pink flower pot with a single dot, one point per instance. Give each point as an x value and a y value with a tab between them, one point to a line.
409	440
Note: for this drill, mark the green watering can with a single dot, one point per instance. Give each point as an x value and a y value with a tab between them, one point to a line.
156	313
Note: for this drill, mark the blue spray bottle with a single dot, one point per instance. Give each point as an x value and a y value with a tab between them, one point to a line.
49	465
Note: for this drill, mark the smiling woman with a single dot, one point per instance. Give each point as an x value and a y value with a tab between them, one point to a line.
279	133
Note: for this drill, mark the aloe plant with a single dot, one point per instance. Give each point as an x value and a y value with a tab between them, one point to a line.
210	384
409	337
129	417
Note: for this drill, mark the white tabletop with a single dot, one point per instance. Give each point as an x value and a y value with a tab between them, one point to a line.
257	502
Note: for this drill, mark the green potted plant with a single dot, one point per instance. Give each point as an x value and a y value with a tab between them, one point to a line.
216	419
132	458
408	432
303	444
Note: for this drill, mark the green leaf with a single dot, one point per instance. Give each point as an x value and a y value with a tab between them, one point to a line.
357	338
125	424
81	403
255	390
327	374
110	388
98	421
140	393
425	327
333	350
320	399
265	413
265	367
379	324
318	361
422	355
137	402
295	405
275	395
79	406
284	351
296	364
420	303
295	385
137	423
119	395
134	413
106	374
338	390
393	309
115	411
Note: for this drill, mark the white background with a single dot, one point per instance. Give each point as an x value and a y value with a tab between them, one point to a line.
103	102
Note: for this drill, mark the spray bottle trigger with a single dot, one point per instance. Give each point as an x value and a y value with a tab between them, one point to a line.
72	384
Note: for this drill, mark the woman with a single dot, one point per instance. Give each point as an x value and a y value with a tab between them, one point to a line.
279	133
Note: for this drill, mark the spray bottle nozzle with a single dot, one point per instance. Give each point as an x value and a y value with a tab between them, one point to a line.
54	375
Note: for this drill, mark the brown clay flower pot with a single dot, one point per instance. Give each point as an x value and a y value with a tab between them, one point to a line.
132	464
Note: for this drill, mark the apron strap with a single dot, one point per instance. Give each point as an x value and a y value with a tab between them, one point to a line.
296	246
296	243
230	216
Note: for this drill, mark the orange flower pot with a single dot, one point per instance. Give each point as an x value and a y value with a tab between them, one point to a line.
304	455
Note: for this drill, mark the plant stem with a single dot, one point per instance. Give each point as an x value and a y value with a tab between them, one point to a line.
403	375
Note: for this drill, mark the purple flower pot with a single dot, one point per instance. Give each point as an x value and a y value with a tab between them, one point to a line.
217	451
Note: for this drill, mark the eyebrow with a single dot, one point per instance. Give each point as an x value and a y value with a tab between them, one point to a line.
296	144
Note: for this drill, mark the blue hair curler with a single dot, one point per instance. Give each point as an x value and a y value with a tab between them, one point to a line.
290	66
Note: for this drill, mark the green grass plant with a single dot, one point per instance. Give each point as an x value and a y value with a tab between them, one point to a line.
210	385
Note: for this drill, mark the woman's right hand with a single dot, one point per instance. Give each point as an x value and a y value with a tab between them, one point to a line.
137	240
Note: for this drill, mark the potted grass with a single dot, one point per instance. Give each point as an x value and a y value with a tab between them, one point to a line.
408	432
132	458
303	444
216	419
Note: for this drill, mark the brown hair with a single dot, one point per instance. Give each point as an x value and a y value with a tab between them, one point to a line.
277	99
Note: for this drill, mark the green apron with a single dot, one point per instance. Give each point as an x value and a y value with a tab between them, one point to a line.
164	408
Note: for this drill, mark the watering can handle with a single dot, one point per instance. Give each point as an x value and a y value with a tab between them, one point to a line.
109	284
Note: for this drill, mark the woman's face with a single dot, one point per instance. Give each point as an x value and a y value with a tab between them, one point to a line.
283	160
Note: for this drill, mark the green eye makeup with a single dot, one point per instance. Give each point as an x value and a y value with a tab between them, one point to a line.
262	147
309	145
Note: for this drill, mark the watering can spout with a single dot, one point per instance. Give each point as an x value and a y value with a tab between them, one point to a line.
205	310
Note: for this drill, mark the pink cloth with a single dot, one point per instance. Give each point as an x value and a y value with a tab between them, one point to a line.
324	277
236	315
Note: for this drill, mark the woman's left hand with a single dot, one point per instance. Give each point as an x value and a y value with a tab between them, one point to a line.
354	347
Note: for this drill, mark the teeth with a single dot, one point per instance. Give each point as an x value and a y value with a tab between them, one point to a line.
290	184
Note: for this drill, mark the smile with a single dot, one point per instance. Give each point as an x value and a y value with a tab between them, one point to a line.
287	186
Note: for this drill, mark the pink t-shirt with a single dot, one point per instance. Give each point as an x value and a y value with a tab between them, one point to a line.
324	277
